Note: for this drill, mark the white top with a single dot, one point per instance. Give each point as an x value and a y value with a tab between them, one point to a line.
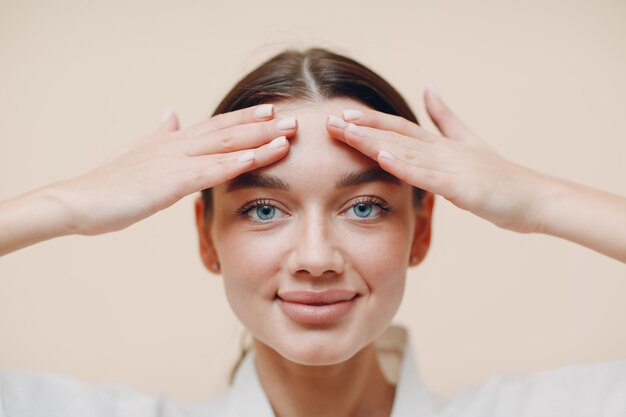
581	390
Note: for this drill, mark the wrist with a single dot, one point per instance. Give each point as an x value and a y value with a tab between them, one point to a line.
551	195
58	200
33	217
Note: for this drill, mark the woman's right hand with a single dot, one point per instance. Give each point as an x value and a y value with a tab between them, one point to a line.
168	165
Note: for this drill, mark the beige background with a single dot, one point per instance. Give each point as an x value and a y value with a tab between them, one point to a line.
542	81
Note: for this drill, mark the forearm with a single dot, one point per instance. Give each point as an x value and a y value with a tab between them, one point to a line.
590	217
33	217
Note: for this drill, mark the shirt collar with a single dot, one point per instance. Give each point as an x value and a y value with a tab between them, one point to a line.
247	397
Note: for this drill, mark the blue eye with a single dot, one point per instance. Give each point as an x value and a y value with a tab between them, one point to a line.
364	207
264	209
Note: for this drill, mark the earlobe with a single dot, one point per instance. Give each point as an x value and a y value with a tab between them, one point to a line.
205	244
422	231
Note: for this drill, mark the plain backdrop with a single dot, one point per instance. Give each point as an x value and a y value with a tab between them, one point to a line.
541	81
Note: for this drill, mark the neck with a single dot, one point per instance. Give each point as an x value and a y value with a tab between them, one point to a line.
356	387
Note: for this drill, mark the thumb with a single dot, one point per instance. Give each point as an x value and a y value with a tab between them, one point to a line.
442	116
169	122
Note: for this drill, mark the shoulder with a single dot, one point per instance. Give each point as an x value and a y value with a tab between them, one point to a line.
591	389
32	394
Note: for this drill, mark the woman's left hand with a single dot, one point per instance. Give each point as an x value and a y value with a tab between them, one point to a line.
458	166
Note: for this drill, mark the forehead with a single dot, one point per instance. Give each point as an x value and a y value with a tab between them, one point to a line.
312	149
315	160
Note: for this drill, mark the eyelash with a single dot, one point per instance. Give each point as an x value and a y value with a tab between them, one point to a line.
368	199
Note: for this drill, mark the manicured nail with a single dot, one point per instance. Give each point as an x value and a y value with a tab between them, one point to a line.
245	157
336	121
356	130
384	154
166	115
287	123
279	142
434	89
264	111
352	115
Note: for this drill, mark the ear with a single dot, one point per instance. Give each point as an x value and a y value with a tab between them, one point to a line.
207	249
421	234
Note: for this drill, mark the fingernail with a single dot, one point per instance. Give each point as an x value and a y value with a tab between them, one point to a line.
433	89
264	111
279	142
384	154
352	115
166	115
287	123
336	121
356	130
248	156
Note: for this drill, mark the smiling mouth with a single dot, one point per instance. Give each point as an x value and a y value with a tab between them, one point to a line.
277	297
303	310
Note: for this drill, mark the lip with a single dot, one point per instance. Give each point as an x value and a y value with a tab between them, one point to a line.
304	306
318	297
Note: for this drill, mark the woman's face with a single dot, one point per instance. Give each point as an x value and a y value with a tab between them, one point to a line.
315	236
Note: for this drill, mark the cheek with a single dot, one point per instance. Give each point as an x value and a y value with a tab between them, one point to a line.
250	265
381	256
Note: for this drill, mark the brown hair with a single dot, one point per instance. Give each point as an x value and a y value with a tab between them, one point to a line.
315	75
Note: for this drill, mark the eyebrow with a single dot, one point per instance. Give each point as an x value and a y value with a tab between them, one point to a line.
250	180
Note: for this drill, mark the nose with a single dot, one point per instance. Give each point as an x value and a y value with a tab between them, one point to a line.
315	250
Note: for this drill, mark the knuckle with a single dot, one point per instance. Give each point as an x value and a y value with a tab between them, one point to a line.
429	178
409	155
406	125
394	137
220	159
226	139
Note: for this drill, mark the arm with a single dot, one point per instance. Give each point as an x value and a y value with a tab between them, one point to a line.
470	174
590	217
33	217
162	168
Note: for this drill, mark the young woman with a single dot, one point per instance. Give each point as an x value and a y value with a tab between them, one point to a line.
318	187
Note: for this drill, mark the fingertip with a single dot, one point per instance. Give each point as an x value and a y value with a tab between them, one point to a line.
435	106
431	98
335	122
169	120
174	121
264	111
279	142
430	87
334	131
167	114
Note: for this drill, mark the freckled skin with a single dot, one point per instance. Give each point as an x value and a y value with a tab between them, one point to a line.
315	240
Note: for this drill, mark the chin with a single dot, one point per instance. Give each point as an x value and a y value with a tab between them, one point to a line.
316	350
316	358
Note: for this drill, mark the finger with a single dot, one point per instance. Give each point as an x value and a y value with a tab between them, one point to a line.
369	140
211	170
169	121
427	179
239	137
385	121
251	114
446	121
